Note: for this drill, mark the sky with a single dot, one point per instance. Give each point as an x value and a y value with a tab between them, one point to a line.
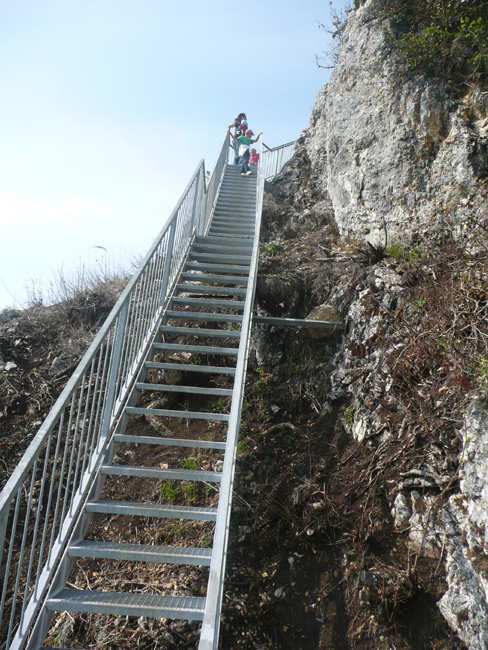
107	107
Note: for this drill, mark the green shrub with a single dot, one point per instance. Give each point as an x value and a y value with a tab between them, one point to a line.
442	37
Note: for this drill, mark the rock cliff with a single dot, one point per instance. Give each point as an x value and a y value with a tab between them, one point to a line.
400	154
387	192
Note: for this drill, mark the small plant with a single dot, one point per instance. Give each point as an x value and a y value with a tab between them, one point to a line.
273	249
191	463
396	250
349	415
169	491
190	490
259	385
420	303
242	446
219	406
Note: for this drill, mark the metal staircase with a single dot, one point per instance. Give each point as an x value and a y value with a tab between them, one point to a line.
186	314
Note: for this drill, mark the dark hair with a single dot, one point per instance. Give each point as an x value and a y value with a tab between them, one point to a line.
241	115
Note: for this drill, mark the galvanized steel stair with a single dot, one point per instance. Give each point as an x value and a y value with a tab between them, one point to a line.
207	304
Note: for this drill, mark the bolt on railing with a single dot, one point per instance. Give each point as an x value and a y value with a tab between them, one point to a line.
41	501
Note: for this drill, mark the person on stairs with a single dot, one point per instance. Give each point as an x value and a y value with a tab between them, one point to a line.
240	127
245	141
253	159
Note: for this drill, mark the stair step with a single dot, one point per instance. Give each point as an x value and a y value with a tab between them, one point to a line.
203	349
238	197
225	268
142	553
208	302
235	205
169	442
227	229
233	187
170	413
205	316
124	604
190	367
162	474
242	204
231	279
200	331
220	248
195	390
220	240
224	236
233	218
151	510
234	222
217	233
210	290
219	257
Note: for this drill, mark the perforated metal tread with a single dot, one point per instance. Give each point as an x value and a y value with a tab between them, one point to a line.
237	269
230	241
169	442
186	415
188	367
221	248
123	604
199	349
151	510
161	474
210	290
219	257
141	553
205	316
208	302
200	331
195	390
206	277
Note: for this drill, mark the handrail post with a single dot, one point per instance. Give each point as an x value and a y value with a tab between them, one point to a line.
3	531
167	261
194	207
113	372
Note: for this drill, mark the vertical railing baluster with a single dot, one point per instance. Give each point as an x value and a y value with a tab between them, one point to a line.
167	262
36	527
21	555
114	368
10	551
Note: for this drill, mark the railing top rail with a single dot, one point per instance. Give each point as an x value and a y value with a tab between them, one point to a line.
280	146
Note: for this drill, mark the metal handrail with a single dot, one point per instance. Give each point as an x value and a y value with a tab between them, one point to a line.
209	636
274	159
41	501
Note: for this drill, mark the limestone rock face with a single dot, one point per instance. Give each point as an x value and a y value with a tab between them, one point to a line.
390	156
465	603
390	150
